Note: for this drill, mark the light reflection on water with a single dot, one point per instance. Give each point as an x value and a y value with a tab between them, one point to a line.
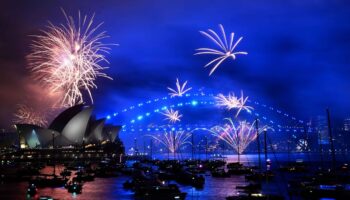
112	188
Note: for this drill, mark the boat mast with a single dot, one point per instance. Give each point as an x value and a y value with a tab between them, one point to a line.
238	154
320	148
192	141
135	146
265	147
206	148
288	148
174	143
331	139
53	150
151	149
258	141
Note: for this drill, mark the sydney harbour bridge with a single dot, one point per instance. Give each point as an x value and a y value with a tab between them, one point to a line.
200	112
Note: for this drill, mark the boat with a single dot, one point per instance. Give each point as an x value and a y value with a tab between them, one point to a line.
220	173
213	164
74	187
166	192
189	178
252	187
83	176
48	181
238	169
334	191
66	172
32	190
140	179
165	175
257	196
260	176
298	167
46	198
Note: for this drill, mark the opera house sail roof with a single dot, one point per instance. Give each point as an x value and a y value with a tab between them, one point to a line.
72	127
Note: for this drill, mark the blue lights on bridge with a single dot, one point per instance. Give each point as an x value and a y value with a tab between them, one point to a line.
194	100
139	117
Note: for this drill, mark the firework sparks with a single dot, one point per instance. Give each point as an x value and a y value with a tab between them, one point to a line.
226	48
180	90
302	145
241	105
67	58
230	101
173	140
27	115
172	115
238	137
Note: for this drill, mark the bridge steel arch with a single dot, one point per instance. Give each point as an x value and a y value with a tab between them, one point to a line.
138	119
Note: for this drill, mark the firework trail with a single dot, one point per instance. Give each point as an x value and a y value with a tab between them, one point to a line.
67	58
180	90
232	102
238	137
173	140
27	115
172	115
226	48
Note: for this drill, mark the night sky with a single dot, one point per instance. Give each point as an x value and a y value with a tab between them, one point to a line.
299	51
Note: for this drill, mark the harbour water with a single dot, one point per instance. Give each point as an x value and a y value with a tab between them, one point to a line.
214	188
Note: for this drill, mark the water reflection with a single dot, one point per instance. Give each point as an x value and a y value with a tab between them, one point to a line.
112	188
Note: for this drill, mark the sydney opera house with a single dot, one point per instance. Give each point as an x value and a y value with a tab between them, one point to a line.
74	127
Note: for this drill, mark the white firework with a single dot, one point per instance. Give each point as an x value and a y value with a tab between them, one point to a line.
241	105
27	115
172	115
180	89
238	135
173	140
230	101
67	58
233	102
226	48
302	145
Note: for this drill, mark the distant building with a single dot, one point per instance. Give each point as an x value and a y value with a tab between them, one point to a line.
321	128
346	125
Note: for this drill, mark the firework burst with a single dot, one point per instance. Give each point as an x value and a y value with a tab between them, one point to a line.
180	89
226	48
241	105
67	58
27	115
230	101
173	140
172	115
237	136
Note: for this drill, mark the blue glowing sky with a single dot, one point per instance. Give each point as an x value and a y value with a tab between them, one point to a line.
298	50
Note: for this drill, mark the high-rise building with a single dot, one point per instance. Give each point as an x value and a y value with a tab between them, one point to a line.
346	124
321	128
